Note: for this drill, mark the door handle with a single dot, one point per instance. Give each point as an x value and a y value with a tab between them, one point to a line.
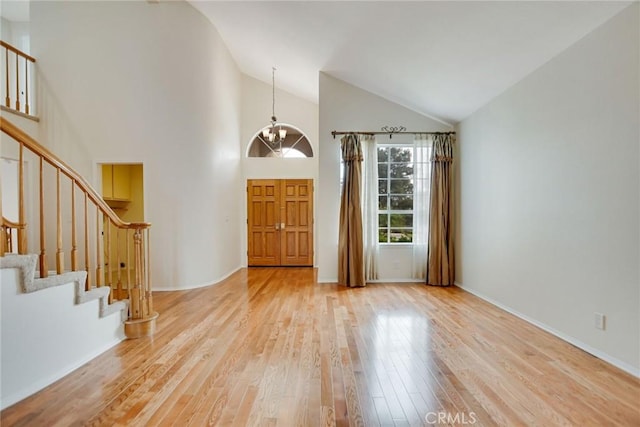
277	226
282	226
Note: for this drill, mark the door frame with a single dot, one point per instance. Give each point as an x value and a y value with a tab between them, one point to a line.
280	218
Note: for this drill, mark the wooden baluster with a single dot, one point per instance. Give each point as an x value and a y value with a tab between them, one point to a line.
135	291
7	238
7	100
87	263
26	85
148	282
128	243
107	261
17	84
59	252
99	258
22	232
118	262
5	245
43	252
143	277
74	237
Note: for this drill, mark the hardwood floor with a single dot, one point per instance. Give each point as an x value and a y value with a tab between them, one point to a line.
270	346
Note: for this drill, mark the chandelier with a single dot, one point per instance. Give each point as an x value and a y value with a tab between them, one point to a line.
275	133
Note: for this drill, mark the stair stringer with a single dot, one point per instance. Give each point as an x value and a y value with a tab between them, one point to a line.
30	283
50	327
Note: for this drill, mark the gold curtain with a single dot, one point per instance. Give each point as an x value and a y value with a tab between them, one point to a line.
440	256
350	242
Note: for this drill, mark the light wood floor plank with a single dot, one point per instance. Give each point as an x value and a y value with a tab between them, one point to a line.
271	346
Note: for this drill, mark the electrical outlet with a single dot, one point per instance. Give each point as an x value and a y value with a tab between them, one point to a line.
599	319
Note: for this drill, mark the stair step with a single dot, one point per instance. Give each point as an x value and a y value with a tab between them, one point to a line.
122	306
31	282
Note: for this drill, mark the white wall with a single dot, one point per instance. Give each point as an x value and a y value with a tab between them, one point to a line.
16	34
549	194
9	149
45	335
346	107
10	179
5	30
256	113
151	83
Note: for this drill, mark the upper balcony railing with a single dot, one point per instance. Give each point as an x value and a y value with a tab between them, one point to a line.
18	76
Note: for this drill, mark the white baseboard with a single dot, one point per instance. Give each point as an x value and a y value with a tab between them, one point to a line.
202	285
335	280
635	371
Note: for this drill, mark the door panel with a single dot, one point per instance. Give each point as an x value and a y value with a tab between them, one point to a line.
262	219
297	201
280	222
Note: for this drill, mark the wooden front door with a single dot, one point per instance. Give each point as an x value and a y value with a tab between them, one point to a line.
280	222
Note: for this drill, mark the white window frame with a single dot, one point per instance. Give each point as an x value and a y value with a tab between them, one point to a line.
389	211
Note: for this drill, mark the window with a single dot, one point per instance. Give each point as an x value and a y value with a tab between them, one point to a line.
295	144
395	193
396	185
286	152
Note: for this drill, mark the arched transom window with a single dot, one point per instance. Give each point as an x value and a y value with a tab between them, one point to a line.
294	145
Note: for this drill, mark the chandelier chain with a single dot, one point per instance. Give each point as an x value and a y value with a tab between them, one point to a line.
273	89
272	134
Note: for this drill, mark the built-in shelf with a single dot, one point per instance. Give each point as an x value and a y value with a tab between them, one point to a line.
117	204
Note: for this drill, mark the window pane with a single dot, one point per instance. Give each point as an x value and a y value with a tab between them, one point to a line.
383	154
291	152
395	194
401	203
400	235
295	144
382	170
400	220
401	170
401	186
401	154
382	203
382	186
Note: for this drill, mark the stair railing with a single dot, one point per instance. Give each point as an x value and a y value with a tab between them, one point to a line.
14	60
75	223
9	242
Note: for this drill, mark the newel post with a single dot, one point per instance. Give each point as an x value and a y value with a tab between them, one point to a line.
142	318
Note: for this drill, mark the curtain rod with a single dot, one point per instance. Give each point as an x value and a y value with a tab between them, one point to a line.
389	130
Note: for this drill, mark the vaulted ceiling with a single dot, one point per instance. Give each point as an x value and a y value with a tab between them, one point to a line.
444	59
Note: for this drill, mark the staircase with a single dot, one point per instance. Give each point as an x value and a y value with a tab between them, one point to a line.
50	327
56	319
91	231
29	281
